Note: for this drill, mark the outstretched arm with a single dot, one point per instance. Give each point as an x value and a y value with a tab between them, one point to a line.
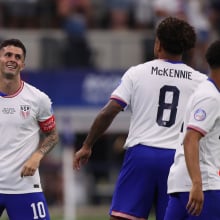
101	123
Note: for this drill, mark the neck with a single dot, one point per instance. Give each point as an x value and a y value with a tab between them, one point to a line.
10	87
175	58
215	76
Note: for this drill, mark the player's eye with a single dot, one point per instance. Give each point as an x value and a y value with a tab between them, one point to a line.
18	56
8	54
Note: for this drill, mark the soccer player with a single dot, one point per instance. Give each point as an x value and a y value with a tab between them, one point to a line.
27	133
194	179
156	92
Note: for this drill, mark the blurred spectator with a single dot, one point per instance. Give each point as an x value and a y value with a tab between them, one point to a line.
164	8
214	15
20	13
77	53
75	14
99	13
143	14
76	18
197	16
47	14
119	13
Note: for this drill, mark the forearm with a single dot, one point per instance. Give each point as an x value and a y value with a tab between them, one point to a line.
192	163
97	129
191	151
102	123
49	141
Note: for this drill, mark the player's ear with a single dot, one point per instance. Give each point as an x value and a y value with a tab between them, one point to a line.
23	66
157	46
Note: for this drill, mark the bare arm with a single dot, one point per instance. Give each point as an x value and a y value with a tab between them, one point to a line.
49	140
191	150
101	123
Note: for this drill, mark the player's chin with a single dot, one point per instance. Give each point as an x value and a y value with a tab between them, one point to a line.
10	74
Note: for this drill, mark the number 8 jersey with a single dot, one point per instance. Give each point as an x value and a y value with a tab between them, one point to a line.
156	93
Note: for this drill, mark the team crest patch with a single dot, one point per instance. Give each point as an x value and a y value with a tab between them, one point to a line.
200	115
25	111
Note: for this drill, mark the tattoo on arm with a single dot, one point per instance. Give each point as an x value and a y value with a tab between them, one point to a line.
50	139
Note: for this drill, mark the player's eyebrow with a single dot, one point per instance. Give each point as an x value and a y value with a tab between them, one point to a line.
17	55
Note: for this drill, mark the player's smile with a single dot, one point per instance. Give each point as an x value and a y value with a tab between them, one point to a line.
12	61
11	69
11	66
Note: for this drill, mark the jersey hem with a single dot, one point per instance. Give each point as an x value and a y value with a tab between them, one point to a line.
19	192
123	215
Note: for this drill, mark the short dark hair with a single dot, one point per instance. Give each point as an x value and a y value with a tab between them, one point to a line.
213	54
175	35
14	42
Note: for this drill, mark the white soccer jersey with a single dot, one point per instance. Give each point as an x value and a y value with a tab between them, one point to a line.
203	115
21	117
157	92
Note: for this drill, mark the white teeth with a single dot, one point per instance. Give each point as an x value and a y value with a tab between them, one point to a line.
11	67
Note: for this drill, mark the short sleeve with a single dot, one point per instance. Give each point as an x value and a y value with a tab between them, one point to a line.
46	117
124	90
203	115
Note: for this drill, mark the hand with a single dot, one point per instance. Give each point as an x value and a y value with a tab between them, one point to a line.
196	200
31	165
81	157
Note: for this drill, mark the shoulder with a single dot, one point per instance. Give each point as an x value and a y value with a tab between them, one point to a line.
140	68
197	74
201	76
35	92
207	91
32	88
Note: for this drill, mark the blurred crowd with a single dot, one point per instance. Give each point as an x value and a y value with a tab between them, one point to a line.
102	14
76	17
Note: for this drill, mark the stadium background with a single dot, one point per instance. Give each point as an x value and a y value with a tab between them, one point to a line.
78	57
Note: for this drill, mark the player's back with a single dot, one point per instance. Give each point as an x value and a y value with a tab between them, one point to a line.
158	96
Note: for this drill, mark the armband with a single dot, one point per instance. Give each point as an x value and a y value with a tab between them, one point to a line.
48	124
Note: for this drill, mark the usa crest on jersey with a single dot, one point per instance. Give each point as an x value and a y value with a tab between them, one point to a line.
25	110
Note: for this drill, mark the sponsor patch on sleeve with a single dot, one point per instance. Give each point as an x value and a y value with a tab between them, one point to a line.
200	114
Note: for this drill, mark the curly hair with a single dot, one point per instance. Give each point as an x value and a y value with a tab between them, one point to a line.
175	35
213	54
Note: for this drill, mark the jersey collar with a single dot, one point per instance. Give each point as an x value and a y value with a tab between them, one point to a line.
15	94
173	62
2	94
